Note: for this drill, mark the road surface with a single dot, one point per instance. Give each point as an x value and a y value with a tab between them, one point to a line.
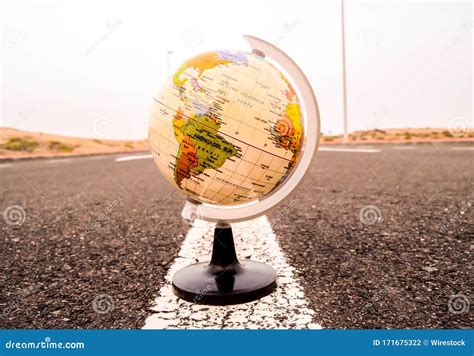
375	237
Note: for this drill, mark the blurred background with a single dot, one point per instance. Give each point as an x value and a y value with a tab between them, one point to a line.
67	64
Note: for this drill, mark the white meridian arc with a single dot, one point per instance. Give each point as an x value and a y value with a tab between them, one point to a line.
251	210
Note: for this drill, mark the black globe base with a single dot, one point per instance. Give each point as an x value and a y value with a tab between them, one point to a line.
224	280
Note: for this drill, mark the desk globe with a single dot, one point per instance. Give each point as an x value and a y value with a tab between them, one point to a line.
235	132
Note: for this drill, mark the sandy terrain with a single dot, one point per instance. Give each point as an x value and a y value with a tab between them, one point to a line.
403	136
20	144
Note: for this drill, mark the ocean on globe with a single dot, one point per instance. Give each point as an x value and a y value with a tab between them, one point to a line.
226	128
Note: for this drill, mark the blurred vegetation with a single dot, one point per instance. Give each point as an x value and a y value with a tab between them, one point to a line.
59	146
20	144
381	135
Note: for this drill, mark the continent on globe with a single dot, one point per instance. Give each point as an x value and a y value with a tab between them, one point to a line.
200	147
288	131
200	64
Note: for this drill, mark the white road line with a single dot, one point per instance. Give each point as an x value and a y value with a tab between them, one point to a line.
463	148
60	160
97	157
287	307
5	165
132	158
343	149
403	147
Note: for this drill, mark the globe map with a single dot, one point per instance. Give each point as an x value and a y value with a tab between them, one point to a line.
226	128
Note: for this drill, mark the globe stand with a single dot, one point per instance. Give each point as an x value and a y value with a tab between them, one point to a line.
224	280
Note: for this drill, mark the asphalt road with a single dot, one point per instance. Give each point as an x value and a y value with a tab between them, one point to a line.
379	239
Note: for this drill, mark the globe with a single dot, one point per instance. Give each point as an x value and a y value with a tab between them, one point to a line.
226	128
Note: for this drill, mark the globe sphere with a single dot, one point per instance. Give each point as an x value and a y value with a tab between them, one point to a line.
226	128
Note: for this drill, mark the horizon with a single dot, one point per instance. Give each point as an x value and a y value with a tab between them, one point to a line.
464	135
97	81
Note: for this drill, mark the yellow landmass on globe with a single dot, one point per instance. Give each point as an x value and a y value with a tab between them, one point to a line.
200	146
200	63
288	131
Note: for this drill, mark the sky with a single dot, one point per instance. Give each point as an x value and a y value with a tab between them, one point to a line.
91	69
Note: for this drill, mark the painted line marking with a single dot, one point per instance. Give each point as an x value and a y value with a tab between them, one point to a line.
342	149
5	165
403	148
285	308
97	157
132	158
61	160
463	148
